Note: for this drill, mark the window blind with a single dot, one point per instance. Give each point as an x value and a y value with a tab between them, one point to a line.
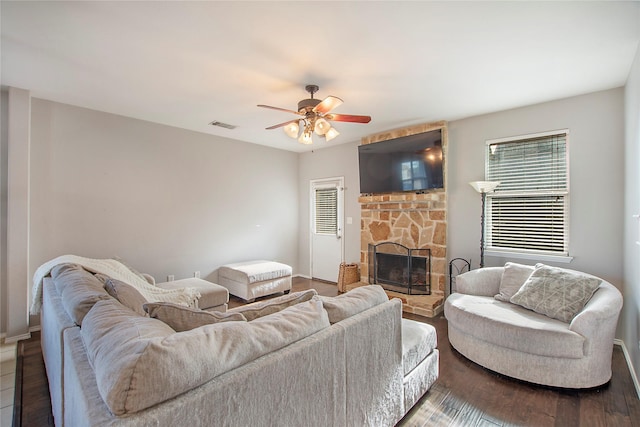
529	210
326	211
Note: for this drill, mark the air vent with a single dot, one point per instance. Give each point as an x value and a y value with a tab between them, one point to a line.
222	125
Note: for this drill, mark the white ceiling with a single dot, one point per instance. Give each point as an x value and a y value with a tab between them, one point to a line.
185	64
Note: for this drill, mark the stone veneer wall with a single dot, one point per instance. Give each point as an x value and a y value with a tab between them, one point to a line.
413	220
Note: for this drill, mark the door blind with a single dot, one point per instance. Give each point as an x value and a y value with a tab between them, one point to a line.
529	210
326	211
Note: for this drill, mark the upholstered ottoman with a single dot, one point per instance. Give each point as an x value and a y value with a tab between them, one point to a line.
253	279
212	297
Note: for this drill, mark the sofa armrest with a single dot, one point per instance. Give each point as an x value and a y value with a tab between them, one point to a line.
481	282
599	317
373	344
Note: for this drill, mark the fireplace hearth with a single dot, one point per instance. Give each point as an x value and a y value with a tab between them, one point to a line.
398	268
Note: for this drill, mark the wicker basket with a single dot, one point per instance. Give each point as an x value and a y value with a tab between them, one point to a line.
349	273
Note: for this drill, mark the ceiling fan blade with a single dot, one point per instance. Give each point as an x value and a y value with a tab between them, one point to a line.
282	124
348	118
327	104
280	109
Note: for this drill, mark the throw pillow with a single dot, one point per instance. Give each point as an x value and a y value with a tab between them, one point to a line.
63	274
353	302
79	290
512	280
61	268
126	294
556	292
273	305
78	298
181	318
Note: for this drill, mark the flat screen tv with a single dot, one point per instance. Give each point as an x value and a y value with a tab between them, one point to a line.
409	163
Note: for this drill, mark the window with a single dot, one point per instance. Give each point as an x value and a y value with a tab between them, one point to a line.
528	212
413	175
326	209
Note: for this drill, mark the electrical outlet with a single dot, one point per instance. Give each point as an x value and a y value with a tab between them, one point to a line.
196	274
171	278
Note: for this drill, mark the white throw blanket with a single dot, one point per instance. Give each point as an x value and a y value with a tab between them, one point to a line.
115	270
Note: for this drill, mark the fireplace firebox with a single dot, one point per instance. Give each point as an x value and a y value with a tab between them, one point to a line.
398	268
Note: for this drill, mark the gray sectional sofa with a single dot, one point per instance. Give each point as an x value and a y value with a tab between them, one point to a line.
497	319
303	359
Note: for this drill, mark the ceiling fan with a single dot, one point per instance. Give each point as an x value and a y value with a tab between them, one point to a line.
315	117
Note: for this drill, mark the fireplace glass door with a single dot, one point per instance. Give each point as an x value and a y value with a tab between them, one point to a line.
398	268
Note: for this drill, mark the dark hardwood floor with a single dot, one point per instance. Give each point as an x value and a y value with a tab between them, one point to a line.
467	394
464	395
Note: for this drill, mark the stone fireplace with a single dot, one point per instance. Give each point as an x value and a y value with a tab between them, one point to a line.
414	220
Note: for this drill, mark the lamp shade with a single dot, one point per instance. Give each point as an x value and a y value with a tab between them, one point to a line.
322	126
305	138
331	133
484	186
292	129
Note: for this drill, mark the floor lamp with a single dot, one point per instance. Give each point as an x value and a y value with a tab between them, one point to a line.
483	187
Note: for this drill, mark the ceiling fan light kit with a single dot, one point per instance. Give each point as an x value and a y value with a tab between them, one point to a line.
331	133
292	129
305	138
315	118
321	127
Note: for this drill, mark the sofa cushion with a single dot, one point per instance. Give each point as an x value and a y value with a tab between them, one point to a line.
79	290
511	326
273	305
418	341
512	280
556	292
63	274
78	300
61	268
481	281
126	294
140	361
353	302
181	318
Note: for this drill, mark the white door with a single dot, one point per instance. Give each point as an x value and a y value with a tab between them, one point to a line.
327	200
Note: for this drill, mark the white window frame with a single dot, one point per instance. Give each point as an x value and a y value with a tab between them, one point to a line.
537	255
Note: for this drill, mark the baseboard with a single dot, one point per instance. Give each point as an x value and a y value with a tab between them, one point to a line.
3	335
627	357
17	338
302	276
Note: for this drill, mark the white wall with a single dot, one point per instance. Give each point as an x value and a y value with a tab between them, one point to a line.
337	160
630	323
596	142
166	200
